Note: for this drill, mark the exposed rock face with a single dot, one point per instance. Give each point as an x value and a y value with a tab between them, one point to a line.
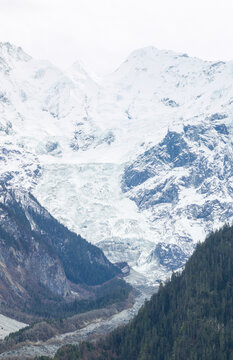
40	257
177	181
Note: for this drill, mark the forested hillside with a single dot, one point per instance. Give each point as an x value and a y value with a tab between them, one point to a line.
43	263
190	318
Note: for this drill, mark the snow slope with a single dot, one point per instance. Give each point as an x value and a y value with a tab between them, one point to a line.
138	162
8	325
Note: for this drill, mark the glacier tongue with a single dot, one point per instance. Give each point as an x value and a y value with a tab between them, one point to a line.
88	198
139	162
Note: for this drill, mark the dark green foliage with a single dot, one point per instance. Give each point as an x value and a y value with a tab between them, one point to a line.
190	318
113	292
117	290
68	352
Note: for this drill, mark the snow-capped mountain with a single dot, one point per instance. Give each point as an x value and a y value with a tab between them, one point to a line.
138	162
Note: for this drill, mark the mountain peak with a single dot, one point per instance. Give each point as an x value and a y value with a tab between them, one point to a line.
152	52
151	58
11	52
78	71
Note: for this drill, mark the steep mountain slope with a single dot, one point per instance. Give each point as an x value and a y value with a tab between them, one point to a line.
42	262
179	178
191	316
137	163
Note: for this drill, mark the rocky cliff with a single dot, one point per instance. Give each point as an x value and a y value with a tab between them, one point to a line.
40	259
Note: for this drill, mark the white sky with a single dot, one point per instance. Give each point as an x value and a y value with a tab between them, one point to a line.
101	33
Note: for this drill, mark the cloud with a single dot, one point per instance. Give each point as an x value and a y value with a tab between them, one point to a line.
102	33
16	5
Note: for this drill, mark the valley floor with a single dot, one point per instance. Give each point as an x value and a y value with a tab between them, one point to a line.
91	332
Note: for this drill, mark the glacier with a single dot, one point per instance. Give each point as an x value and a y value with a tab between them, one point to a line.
138	162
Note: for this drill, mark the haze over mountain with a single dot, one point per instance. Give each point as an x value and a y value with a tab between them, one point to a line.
138	162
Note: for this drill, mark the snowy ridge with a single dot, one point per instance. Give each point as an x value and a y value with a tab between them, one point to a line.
139	162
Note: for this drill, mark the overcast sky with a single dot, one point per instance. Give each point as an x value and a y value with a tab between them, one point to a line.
101	33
